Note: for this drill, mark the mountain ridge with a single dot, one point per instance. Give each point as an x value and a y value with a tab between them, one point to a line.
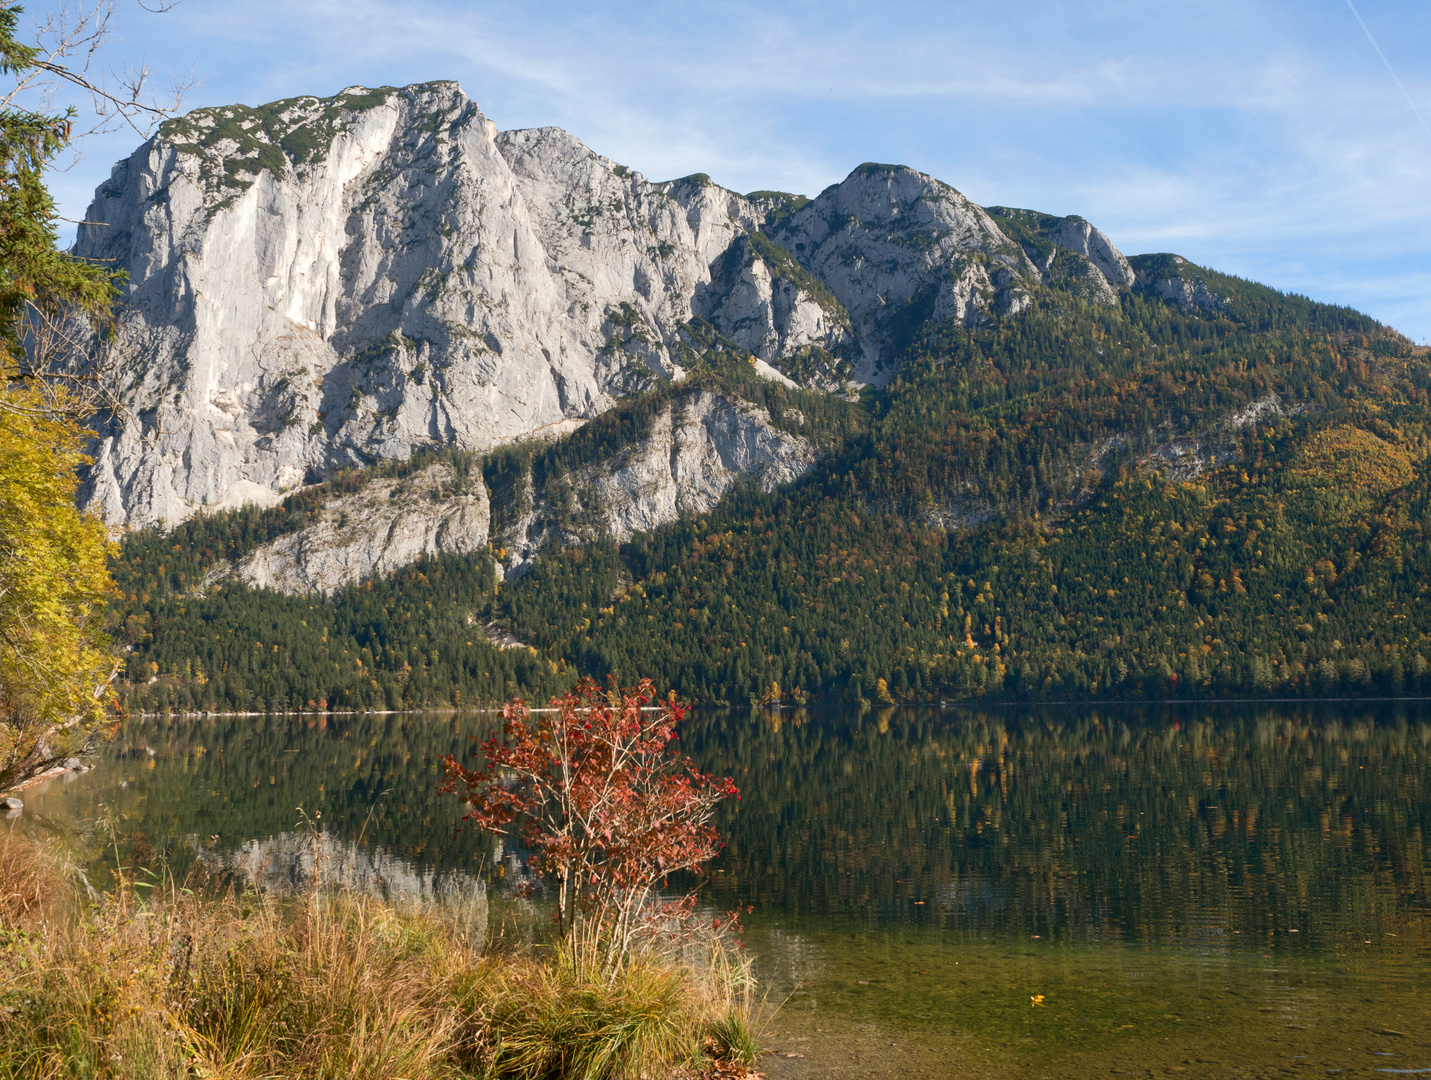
319	284
878	445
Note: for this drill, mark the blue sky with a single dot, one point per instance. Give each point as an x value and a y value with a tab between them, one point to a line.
1264	138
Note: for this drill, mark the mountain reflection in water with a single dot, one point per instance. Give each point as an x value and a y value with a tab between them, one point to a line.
1248	880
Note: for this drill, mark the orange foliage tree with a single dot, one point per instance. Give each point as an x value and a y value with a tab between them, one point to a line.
595	791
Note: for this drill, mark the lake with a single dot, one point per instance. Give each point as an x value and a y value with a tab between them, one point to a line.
1196	890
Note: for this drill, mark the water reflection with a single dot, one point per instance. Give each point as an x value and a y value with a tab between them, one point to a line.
1251	880
294	861
1188	826
230	780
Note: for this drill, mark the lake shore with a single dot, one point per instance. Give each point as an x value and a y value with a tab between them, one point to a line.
161	978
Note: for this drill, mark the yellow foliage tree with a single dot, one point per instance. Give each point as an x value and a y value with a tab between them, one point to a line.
54	310
54	580
882	693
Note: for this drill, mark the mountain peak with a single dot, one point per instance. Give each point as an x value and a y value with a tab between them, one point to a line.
326	282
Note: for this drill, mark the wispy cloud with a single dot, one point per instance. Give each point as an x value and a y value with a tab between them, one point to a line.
1390	70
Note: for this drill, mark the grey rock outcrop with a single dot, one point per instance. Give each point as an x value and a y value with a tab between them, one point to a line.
894	245
763	300
385	526
329	282
1174	279
1068	252
1190	294
1076	235
697	449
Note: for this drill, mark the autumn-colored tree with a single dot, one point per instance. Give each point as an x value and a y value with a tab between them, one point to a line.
54	672
593	789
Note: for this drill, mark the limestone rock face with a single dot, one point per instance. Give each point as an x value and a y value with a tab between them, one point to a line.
763	300
1191	294
628	254
1174	279
322	283
697	450
1069	253
1076	235
385	526
892	244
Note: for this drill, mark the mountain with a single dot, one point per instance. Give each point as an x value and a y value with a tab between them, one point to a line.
326	283
422	412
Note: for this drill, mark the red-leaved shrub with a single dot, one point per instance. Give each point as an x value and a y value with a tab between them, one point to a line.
594	789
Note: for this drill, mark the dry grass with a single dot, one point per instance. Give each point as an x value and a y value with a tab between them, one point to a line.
159	982
31	880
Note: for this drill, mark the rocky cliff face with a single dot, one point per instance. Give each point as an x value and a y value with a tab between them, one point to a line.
382	528
326	283
896	246
321	283
764	301
1174	279
698	447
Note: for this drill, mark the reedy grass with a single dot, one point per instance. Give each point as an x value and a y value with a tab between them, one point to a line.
31	879
546	1021
735	1012
162	982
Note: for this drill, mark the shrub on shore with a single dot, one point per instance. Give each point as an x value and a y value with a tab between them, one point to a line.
163	982
594	789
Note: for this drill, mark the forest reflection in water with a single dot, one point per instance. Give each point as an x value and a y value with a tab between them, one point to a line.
1160	871
1160	825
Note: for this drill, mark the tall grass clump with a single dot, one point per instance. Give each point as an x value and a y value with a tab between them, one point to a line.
156	980
736	1013
549	1022
231	985
31	878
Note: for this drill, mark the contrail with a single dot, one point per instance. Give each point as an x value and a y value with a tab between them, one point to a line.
1389	68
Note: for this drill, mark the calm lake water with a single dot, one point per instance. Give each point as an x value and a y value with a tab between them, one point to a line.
1209	891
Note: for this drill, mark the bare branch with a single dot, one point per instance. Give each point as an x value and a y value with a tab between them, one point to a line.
70	39
76	366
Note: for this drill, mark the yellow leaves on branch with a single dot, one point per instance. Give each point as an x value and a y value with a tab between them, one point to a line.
54	671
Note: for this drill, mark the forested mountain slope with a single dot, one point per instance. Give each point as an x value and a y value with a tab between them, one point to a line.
424	413
1199	487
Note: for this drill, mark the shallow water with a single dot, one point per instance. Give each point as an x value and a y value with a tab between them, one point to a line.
1060	892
